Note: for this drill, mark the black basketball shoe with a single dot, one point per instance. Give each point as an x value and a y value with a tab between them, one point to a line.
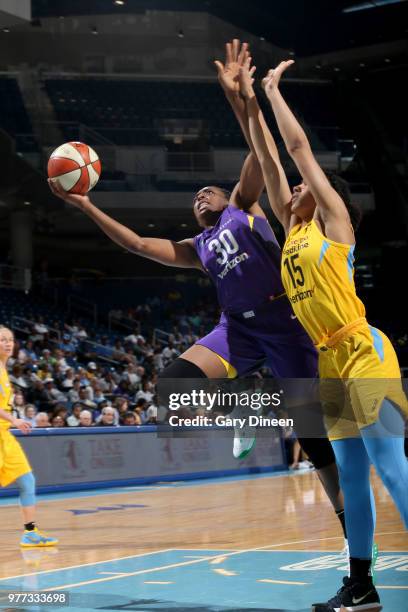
354	596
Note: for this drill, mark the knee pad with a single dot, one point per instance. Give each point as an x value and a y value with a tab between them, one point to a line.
26	486
319	450
181	368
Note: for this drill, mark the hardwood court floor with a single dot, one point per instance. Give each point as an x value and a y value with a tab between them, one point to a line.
277	512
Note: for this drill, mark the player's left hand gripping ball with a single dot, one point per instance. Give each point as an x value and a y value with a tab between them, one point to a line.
76	167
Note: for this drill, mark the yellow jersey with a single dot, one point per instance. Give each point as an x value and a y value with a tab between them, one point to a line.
5	398
318	276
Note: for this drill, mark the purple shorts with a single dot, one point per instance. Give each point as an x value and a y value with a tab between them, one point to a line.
269	335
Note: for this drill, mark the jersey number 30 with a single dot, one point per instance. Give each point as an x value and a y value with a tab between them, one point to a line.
224	245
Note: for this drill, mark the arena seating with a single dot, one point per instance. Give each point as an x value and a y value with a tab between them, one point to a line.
135	112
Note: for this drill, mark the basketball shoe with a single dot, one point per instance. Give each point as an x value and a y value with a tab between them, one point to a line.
244	437
36	538
354	596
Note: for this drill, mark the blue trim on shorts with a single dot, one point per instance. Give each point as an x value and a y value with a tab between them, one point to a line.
378	342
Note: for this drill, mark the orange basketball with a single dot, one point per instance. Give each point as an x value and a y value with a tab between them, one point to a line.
76	167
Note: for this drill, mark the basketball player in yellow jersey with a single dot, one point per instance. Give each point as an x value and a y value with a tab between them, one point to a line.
14	466
317	273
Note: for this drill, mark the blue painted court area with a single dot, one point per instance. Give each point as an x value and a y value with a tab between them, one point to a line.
212	581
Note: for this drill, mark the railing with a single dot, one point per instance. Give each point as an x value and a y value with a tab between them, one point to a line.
160	336
101	357
79	304
13	277
124	322
16	322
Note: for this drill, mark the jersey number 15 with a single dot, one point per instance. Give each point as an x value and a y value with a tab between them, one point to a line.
294	270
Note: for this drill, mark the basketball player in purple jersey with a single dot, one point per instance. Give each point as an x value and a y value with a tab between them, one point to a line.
239	251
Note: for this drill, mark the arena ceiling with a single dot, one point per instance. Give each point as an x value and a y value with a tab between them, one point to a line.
308	27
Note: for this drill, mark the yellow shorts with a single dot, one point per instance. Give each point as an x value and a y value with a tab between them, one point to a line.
355	377
13	462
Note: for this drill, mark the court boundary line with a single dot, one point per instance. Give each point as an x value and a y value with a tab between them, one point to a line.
266	548
61	569
185	563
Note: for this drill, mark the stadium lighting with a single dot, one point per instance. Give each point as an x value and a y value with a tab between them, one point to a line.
365	6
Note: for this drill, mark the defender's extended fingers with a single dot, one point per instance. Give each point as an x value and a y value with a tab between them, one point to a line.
228	53
235	49
243	53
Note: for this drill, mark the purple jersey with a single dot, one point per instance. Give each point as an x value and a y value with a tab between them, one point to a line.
242	257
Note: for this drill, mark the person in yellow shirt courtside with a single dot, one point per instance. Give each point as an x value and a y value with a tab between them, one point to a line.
14	465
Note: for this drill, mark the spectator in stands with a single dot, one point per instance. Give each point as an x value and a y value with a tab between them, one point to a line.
81	334
54	395
129	419
57	421
146	392
140	409
84	398
135	338
27	353
121	405
74	418
98	396
40	330
107	417
85	418
151	412
41	420
62	411
46	358
169	354
130	374
106	381
83	376
19	404
30	412
68	382
17	377
38	396
61	359
92	369
66	345
158	360
73	394
45	371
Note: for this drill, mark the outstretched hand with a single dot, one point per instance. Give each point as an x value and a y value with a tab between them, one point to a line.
235	56
246	79
74	199
271	81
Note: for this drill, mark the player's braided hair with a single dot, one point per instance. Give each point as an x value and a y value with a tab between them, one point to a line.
342	187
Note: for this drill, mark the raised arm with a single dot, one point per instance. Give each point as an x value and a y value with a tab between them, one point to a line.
251	183
330	208
178	254
277	186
